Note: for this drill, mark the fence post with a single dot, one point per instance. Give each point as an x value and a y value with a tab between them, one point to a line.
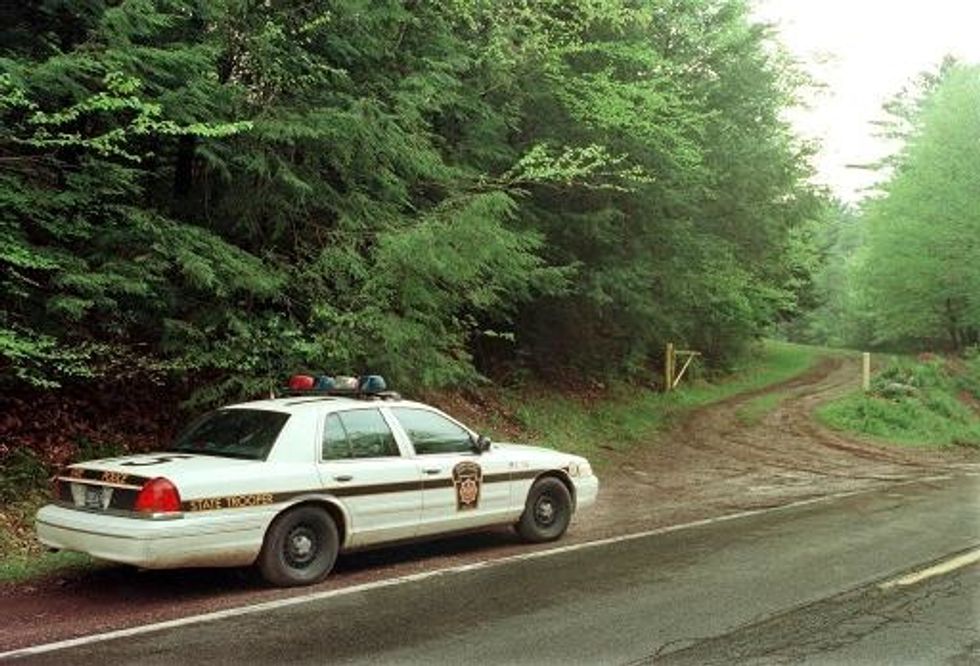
866	372
669	367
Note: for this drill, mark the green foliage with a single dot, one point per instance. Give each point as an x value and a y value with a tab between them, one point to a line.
429	190
698	248
906	275
968	380
21	558
92	450
21	473
27	566
911	403
921	266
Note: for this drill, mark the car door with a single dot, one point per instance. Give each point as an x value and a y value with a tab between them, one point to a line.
460	487
362	465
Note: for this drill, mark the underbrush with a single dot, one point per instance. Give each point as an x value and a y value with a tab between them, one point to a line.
21	556
967	375
23	481
930	403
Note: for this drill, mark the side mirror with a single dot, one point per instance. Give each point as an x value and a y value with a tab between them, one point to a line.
481	444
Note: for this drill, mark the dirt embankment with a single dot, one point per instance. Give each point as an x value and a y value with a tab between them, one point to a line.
712	464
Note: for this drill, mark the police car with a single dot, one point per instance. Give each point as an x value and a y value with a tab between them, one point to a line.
335	464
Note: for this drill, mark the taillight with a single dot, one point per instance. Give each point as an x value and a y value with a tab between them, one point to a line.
158	496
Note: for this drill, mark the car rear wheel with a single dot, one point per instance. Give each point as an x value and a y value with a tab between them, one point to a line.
547	511
300	548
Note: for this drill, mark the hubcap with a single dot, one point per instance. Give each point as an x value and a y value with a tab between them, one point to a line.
300	546
544	510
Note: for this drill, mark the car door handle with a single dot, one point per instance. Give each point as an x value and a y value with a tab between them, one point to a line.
343	477
432	470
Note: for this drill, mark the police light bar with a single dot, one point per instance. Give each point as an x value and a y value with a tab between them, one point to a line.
365	386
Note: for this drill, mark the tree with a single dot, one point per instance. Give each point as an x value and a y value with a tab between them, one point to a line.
690	92
920	268
237	190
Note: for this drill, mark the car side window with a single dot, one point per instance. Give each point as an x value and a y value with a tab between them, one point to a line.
358	433
431	433
335	443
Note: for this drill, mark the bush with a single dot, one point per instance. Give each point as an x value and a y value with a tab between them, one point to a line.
912	403
91	450
908	377
21	473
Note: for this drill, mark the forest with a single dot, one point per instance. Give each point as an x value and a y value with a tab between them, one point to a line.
903	272
199	197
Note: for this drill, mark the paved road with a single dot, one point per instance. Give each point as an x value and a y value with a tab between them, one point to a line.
931	622
794	584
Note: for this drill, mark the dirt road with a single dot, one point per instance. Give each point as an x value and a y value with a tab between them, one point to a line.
713	463
710	465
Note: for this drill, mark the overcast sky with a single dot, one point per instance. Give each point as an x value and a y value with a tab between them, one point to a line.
865	51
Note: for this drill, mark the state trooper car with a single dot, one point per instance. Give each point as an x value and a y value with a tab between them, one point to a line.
287	483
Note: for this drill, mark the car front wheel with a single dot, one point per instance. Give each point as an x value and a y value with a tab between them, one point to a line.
300	548
547	511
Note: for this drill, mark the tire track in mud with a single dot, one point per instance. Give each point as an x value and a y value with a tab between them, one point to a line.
708	465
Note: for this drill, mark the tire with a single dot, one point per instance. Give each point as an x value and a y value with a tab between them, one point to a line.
547	511
300	548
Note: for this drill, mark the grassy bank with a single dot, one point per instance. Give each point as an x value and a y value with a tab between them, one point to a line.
932	403
619	417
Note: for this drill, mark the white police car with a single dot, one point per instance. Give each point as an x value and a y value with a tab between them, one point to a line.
287	483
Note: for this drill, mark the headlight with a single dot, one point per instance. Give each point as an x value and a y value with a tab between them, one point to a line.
579	469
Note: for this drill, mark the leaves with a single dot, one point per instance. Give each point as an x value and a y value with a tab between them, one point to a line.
427	190
911	267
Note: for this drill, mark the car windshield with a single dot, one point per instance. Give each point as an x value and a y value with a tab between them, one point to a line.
232	433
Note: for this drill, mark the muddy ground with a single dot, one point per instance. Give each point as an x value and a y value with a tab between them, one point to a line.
712	464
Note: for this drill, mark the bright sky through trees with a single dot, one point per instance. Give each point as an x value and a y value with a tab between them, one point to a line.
864	51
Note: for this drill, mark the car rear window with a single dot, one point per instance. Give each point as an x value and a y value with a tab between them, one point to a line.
233	433
360	433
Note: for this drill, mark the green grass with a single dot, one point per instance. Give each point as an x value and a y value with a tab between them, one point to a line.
911	404
626	416
19	568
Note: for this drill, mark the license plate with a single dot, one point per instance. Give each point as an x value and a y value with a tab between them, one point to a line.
97	497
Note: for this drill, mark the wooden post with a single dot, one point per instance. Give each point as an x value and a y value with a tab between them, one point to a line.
669	367
866	372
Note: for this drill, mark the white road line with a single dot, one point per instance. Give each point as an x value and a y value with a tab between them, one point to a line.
364	587
949	565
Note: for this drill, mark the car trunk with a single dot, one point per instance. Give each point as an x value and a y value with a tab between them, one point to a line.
114	484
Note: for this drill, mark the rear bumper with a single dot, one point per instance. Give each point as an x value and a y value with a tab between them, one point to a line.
586	491
211	540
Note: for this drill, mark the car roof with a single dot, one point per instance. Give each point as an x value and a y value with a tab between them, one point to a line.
296	403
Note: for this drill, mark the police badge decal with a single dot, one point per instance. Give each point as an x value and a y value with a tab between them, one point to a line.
467	477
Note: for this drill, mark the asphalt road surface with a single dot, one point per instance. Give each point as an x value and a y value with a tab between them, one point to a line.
818	583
